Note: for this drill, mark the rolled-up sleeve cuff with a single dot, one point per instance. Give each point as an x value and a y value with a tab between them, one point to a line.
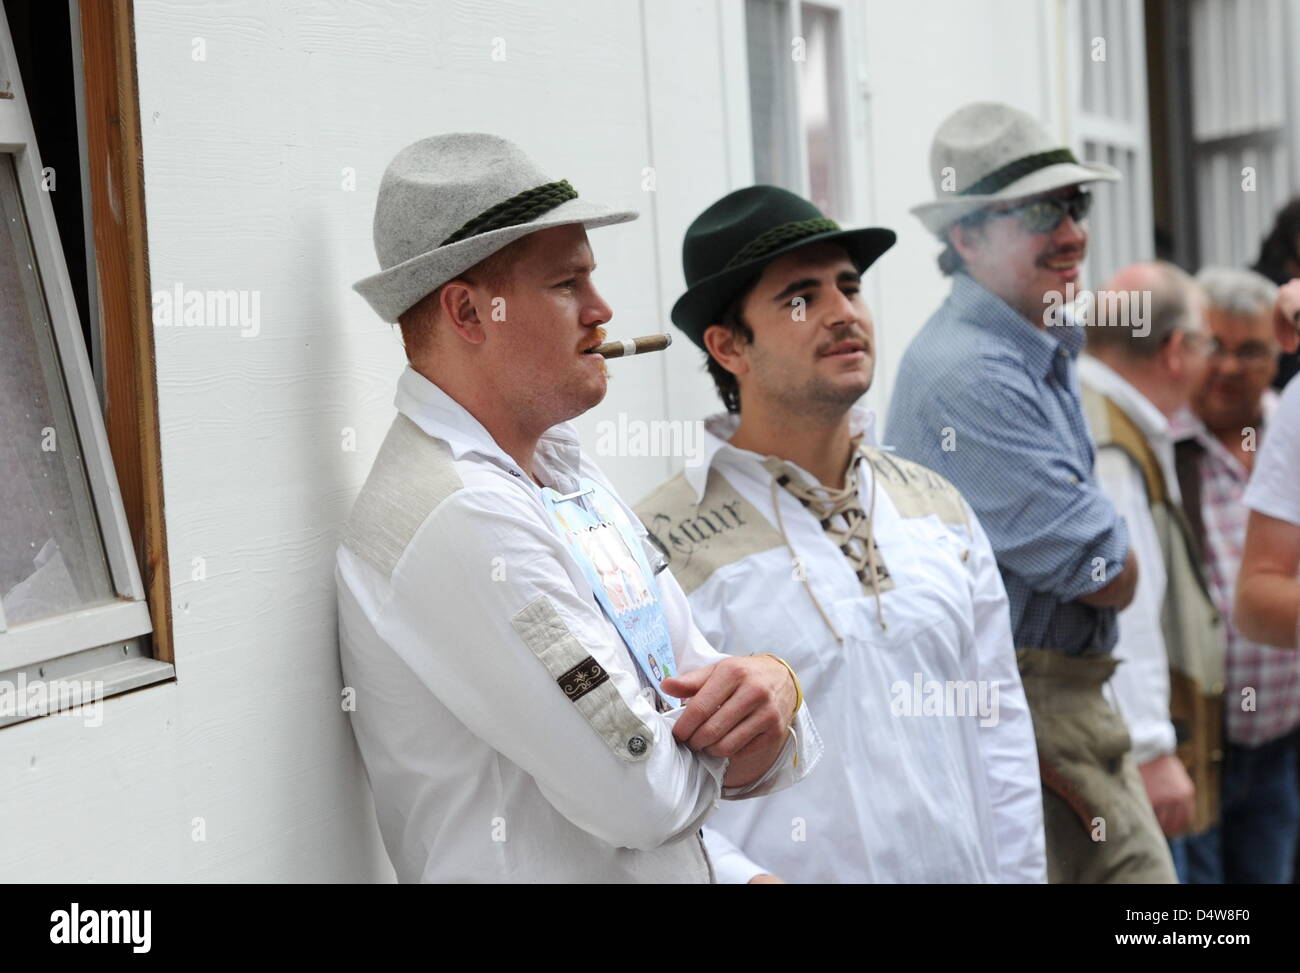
1112	548
1157	739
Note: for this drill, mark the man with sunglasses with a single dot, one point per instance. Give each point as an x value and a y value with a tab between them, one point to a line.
987	395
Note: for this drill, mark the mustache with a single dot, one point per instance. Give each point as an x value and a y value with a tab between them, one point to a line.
847	335
596	337
1077	253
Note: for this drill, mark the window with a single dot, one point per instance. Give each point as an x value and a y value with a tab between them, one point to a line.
797	110
1239	115
75	618
1110	92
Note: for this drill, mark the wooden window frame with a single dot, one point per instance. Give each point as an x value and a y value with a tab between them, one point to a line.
88	653
113	146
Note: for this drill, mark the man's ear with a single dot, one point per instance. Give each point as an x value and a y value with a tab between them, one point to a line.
1286	316
1287	332
726	346
457	305
1172	352
963	237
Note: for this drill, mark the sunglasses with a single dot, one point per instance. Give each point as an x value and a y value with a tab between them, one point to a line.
1045	215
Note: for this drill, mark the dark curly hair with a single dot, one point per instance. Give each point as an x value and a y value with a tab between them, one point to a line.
734	321
1277	254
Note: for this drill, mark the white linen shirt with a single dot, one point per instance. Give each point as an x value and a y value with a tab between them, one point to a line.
902	795
505	731
1140	685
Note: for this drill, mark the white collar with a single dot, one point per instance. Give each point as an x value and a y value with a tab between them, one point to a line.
719	428
442	417
1136	406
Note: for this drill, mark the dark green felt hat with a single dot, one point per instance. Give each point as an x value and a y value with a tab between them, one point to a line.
730	243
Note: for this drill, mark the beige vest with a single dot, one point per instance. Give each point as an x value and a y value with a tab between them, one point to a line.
1193	631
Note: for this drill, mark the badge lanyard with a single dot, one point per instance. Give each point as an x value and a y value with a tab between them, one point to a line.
609	551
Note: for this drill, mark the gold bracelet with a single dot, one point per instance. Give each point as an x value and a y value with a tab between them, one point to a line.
798	688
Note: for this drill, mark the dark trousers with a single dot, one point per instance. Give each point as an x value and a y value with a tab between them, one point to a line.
1255	840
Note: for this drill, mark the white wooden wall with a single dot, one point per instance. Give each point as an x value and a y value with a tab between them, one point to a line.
244	157
924	59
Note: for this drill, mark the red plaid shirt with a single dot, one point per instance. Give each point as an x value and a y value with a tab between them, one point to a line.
1272	674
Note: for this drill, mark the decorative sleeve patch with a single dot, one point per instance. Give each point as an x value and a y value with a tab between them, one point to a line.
582	679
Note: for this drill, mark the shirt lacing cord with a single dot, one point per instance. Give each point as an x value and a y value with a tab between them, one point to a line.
854	537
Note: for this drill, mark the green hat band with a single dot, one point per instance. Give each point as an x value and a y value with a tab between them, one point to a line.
779	236
1017	169
520	208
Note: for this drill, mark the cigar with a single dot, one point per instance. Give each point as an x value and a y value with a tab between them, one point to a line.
634	346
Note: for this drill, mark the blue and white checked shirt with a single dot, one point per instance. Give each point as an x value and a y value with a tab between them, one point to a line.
992	403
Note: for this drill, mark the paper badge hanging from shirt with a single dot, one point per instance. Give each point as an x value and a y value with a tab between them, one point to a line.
607	548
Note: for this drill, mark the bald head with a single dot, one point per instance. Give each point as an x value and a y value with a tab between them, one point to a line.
1140	308
1141	277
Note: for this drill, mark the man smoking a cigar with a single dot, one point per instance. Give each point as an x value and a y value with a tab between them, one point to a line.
507	729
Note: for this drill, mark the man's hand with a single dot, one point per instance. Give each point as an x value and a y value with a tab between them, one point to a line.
1172	793
739	708
766	879
1285	321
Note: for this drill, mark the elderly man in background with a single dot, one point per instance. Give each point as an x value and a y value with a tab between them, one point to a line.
987	396
1147	349
1217	444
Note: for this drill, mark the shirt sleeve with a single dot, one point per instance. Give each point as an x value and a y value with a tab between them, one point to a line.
486	611
1010	754
1041	508
1274	488
804	747
730	864
1141	682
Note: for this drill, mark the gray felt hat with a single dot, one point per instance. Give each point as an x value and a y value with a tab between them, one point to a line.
449	201
988	152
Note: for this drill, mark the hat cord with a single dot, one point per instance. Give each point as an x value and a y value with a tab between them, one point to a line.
519	208
778	236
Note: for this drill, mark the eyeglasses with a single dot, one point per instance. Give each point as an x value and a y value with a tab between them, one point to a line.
1045	215
1250	355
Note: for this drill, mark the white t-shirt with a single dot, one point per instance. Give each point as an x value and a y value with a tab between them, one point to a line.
1275	484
